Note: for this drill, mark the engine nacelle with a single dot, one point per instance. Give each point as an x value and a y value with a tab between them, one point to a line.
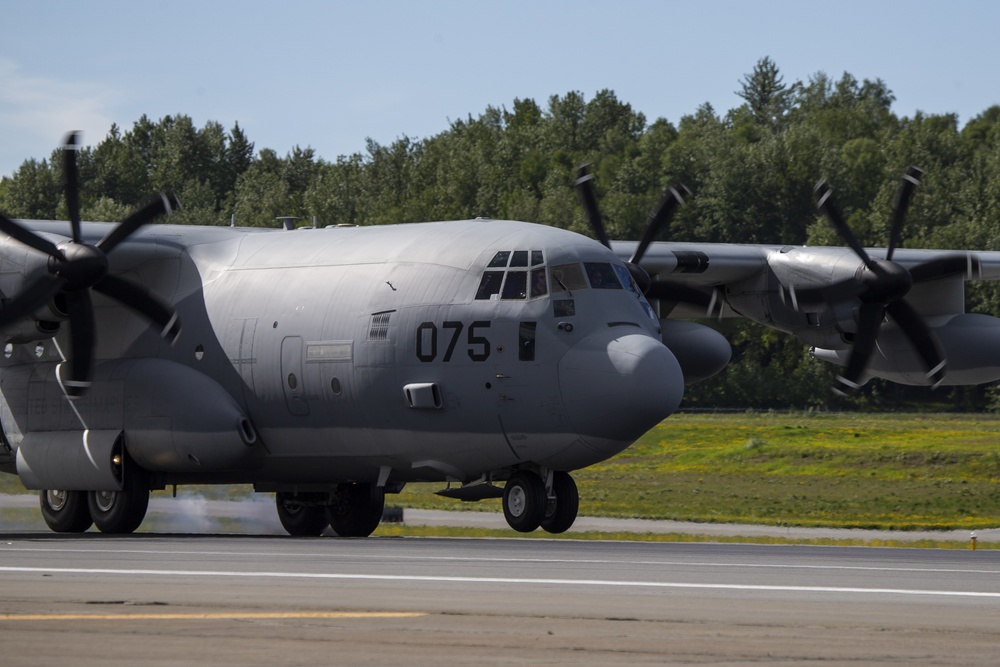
19	268
71	460
701	351
179	420
970	343
167	417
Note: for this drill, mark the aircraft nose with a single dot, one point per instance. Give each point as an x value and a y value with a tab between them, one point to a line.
616	387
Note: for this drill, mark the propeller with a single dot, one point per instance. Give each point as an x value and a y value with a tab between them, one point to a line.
882	285
659	218
76	267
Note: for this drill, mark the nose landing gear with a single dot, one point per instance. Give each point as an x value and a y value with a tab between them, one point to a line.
529	503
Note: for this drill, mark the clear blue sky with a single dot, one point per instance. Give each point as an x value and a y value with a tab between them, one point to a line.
328	74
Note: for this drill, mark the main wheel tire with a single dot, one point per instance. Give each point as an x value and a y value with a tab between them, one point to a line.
357	510
524	501
121	511
298	519
560	512
65	511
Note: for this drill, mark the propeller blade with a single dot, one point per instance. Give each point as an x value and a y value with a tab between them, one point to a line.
869	323
81	324
30	239
909	183
71	183
30	299
155	206
143	302
585	188
965	264
926	343
659	217
824	202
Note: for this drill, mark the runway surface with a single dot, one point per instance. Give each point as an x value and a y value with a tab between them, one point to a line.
249	600
256	515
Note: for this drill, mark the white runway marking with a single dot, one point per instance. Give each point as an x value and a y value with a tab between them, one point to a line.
538	561
501	580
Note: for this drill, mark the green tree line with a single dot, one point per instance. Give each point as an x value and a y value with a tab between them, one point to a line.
752	170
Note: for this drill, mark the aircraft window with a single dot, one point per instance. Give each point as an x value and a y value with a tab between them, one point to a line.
526	341
536	257
564	308
626	278
490	284
567	277
519	258
516	285
649	310
499	259
601	275
538	286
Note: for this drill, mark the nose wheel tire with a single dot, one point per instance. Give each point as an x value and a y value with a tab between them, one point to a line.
560	511
65	511
298	519
524	501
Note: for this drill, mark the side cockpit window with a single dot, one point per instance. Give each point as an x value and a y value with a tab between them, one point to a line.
627	279
601	275
514	275
538	285
568	277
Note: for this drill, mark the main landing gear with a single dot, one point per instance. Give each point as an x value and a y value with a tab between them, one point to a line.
111	511
353	510
528	504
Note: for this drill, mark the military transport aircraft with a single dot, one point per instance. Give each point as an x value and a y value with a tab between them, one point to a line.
332	366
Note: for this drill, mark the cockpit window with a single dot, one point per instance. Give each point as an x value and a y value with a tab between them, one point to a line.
489	285
538	286
626	278
499	259
516	285
509	276
567	277
601	275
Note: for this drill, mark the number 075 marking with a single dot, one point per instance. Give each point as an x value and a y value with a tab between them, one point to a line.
477	345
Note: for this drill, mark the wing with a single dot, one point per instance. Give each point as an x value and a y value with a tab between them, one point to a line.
818	294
